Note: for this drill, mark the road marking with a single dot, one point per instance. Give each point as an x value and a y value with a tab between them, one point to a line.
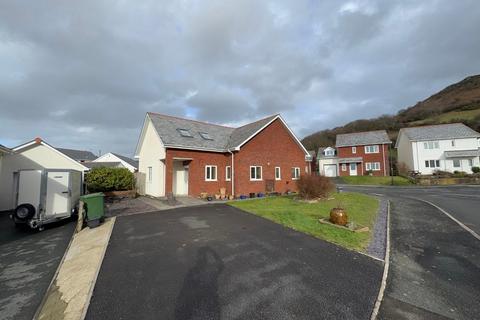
383	285
473	233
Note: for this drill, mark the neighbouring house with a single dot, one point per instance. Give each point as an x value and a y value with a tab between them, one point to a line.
327	161
124	162
363	153
188	157
78	155
35	154
446	147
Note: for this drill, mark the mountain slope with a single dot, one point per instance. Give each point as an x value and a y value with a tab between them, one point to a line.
459	102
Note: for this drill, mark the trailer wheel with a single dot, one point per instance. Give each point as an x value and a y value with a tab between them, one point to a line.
24	211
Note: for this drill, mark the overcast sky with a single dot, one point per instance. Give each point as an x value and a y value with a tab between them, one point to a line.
82	74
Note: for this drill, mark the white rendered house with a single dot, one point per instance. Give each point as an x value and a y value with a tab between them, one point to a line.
327	162
446	147
123	161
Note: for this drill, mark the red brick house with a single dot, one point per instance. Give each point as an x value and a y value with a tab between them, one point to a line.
188	157
363	153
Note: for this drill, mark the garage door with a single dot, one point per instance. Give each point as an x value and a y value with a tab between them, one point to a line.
330	170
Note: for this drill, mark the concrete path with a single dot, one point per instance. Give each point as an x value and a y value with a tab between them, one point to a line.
435	263
28	261
218	262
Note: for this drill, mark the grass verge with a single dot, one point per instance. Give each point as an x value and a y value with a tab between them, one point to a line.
384	181
302	216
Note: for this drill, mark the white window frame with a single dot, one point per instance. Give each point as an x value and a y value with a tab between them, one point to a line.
279	177
209	166
228	177
295	173
372	166
372	149
470	162
329	152
354	149
344	167
150	174
429	145
255	178
459	163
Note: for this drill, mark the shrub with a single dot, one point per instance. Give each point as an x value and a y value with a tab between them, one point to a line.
313	187
109	179
476	169
459	174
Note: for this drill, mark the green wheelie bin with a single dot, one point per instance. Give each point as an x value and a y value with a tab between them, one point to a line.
93	206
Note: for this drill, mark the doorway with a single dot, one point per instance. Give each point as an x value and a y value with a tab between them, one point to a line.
353	169
180	178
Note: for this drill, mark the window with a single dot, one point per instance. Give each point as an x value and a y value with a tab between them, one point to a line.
456	163
330	152
278	175
228	173
431	145
210	173
432	163
371	149
205	135
255	173
150	174
185	133
470	162
344	167
354	149
295	173
372	166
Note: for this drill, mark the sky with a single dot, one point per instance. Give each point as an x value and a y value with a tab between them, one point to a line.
83	74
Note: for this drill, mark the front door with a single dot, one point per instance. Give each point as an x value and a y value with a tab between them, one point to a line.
58	194
180	179
353	169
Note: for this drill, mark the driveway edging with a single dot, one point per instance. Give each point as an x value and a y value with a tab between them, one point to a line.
385	269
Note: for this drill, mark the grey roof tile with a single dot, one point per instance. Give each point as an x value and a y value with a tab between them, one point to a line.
362	138
321	154
128	160
223	138
78	155
100	164
439	132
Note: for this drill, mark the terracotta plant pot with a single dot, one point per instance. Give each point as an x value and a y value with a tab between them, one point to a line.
339	216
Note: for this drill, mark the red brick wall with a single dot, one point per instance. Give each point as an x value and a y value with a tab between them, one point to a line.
273	147
346	152
196	171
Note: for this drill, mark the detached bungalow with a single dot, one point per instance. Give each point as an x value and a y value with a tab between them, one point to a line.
187	157
363	152
114	160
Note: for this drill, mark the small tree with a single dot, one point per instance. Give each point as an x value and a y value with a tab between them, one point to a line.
313	187
109	179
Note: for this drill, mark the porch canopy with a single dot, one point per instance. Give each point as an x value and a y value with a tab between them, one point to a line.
462	154
350	160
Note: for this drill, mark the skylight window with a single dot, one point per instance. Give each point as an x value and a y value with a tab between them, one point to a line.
205	135
185	133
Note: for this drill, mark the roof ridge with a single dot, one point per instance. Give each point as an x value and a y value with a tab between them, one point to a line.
362	132
270	116
437	125
192	120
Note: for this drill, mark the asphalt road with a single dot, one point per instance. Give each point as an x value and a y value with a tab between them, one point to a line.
435	264
28	261
218	262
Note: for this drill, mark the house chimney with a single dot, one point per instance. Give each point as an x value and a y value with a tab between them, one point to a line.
38	140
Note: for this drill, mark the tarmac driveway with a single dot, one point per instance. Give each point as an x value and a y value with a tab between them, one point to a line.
218	262
28	261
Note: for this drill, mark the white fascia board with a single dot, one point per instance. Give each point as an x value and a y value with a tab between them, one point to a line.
142	136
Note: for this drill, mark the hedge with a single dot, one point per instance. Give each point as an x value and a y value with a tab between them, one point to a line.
109	179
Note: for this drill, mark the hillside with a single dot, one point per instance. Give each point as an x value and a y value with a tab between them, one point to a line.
459	102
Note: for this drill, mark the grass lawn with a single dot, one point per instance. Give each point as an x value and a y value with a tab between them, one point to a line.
301	216
384	181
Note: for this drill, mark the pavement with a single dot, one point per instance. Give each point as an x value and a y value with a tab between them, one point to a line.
28	261
434	262
218	262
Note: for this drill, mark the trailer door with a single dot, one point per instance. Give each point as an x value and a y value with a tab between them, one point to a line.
58	194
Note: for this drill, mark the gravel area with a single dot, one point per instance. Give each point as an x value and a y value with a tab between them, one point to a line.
122	206
378	243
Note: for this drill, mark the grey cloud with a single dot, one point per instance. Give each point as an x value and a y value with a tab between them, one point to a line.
82	74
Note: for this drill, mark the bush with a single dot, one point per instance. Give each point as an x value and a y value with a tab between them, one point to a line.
459	174
109	179
313	187
476	169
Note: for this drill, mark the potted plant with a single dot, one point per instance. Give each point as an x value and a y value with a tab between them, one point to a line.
338	215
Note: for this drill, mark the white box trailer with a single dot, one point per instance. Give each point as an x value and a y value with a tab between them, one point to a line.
45	196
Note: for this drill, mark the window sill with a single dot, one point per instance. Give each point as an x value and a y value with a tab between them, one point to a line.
256	179
211	180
